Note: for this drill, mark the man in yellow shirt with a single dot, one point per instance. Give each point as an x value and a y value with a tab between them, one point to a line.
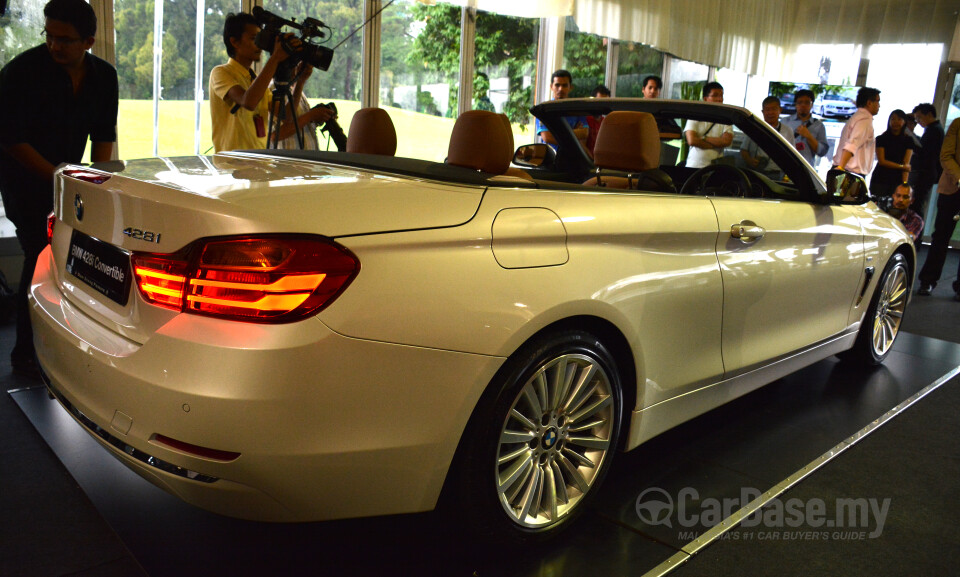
239	99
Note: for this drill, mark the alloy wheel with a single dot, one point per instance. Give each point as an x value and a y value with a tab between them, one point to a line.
554	440
890	307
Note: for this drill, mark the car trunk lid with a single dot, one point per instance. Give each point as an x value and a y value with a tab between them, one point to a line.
161	205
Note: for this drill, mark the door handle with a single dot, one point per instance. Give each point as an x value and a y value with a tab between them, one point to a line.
747	231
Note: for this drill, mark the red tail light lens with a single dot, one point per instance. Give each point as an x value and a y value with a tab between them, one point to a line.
161	280
51	221
86	175
267	279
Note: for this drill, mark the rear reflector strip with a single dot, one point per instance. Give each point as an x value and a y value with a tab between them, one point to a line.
196	450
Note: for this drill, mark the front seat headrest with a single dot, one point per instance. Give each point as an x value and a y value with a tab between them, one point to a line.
480	141
628	141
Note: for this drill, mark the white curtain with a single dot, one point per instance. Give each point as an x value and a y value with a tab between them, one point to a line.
759	36
876	22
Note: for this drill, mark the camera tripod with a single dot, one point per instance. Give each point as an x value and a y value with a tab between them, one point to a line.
282	102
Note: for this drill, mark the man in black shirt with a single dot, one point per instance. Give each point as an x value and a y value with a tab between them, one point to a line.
52	98
926	162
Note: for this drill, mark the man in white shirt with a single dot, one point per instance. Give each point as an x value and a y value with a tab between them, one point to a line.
707	139
857	146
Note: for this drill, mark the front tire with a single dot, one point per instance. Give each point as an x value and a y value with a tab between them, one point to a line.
540	448
881	324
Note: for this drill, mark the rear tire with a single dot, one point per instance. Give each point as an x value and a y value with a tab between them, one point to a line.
540	445
881	324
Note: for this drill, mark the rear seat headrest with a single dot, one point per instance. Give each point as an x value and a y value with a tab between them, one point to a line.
372	132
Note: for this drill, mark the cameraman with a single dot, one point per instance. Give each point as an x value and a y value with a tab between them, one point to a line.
239	99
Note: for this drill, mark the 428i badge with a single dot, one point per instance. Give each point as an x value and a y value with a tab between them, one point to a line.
144	235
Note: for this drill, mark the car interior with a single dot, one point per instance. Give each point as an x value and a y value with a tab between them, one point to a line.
631	154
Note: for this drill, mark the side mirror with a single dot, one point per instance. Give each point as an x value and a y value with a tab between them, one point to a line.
845	188
535	155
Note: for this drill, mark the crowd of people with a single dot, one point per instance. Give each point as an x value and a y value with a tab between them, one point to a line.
908	167
56	96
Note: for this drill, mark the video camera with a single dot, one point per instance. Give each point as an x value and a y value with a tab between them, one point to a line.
309	52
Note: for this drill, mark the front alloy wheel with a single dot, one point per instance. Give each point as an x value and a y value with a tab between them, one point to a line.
881	324
890	306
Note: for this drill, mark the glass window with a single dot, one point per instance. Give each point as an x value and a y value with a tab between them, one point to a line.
734	86
636	62
827	63
684	80
505	60
214	54
585	57
19	30
133	24
768	164
887	63
178	110
340	84
419	75
953	103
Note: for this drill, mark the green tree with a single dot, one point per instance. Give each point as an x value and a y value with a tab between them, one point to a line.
635	63
502	42
19	29
342	79
510	44
135	44
585	57
134	47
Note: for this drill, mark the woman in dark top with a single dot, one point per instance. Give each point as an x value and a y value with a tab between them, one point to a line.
894	150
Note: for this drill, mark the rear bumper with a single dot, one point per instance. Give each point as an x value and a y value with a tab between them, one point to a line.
325	426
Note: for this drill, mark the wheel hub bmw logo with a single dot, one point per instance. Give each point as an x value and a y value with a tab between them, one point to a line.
78	206
550	438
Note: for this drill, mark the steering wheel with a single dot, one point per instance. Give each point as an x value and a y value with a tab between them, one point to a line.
734	182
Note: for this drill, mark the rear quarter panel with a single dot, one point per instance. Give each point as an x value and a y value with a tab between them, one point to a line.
645	263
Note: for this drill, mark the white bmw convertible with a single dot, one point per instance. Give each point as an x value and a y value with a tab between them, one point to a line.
292	336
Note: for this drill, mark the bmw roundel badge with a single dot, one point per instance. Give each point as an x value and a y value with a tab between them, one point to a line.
550	438
78	206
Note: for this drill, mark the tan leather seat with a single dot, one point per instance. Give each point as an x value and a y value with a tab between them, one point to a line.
372	132
480	141
629	141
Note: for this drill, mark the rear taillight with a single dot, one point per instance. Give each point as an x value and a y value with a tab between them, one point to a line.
161	280
51	221
264	279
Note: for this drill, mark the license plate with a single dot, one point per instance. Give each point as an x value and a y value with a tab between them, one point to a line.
103	267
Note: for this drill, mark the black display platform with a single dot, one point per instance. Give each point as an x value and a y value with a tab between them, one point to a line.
752	443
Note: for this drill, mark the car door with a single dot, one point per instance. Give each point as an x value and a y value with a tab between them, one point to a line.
790	272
